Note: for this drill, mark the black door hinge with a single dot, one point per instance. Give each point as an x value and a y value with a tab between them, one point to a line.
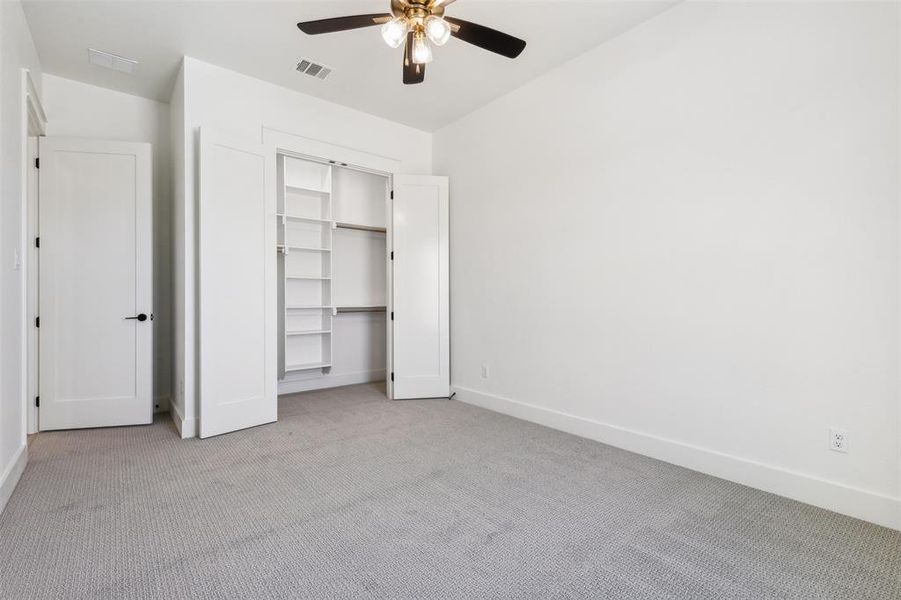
392	315
37	163
37	401
392	194
37	242
37	321
392	255
392	376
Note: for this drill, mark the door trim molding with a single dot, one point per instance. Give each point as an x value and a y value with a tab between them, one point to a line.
278	141
33	124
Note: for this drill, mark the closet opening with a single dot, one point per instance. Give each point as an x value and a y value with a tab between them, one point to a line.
332	274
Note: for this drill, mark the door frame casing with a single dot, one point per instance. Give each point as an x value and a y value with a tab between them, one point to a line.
34	125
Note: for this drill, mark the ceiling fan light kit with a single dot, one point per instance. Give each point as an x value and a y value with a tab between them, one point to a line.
415	23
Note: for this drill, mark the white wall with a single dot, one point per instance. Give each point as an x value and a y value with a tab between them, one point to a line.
686	243
87	111
222	99
16	52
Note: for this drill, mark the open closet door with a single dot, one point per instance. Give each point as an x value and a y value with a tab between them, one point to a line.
237	285
420	337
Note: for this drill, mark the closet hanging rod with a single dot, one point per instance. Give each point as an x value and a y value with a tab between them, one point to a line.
362	309
360	227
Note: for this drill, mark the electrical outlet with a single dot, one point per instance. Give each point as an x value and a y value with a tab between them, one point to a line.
838	440
484	371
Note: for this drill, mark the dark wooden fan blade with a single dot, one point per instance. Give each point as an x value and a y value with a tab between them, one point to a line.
487	38
413	73
343	23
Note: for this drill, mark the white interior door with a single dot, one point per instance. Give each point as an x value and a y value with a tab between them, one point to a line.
420	336
238	303
95	281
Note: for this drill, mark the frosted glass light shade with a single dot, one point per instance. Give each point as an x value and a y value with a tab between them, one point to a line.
438	30
394	32
422	53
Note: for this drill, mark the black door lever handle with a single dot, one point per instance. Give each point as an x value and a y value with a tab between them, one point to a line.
140	317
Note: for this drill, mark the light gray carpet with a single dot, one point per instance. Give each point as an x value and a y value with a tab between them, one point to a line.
350	495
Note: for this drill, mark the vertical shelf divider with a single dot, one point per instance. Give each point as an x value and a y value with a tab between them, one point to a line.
282	239
327	265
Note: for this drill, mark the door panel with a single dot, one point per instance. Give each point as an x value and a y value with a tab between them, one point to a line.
238	311
95	230
421	346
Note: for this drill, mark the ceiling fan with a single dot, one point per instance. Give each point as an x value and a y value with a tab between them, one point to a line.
413	22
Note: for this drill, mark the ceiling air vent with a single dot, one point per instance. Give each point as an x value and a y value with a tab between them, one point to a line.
308	67
111	61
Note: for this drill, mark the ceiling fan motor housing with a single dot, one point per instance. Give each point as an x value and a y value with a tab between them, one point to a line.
415	10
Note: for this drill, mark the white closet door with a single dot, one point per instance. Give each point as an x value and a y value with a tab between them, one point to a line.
420	335
96	329
237	285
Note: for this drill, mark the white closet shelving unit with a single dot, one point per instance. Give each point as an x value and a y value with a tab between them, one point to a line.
305	243
332	273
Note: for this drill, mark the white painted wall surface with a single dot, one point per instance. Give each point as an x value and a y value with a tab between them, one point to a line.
229	101
686	242
87	111
17	51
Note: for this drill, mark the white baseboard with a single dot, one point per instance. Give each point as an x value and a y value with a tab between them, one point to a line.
187	428
862	504
11	475
329	381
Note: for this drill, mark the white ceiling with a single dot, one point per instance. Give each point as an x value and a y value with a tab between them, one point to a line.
260	39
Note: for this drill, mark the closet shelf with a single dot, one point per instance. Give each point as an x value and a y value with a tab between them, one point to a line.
356	309
306	367
308	307
302	218
308	332
306	190
283	247
359	227
296	278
